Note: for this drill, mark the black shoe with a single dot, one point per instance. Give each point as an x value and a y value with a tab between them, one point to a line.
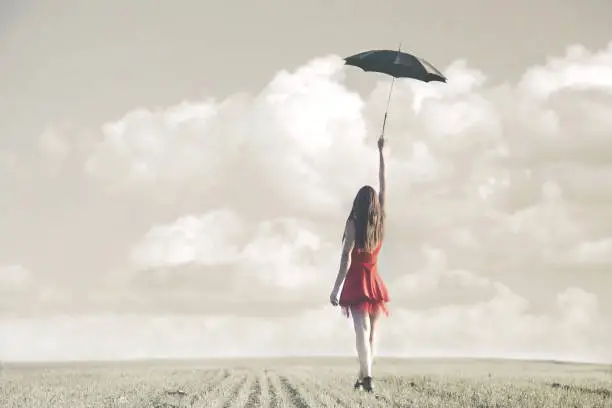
367	384
358	385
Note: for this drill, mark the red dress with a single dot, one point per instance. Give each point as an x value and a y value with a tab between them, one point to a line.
363	287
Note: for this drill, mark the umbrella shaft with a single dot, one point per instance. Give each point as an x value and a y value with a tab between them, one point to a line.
382	135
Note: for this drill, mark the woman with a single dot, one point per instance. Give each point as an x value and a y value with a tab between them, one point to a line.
364	294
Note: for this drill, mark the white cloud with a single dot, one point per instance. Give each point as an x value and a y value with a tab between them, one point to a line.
281	253
597	252
14	277
208	239
53	144
579	69
146	146
501	326
436	284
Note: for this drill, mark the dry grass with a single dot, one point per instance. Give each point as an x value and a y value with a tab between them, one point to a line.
307	383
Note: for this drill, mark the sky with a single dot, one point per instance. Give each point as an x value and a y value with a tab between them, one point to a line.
176	176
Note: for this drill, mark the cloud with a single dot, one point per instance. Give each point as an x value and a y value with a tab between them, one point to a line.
579	69
504	325
53	144
280	254
590	252
208	240
14	277
501	326
498	237
21	291
435	283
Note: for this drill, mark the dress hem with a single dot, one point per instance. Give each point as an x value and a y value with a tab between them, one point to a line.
368	306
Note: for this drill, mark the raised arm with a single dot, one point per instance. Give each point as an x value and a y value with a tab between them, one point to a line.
345	260
381	175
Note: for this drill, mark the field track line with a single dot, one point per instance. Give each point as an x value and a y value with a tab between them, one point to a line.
384	396
340	400
177	396
278	398
208	395
240	392
325	394
265	396
254	399
207	377
300	392
380	397
212	380
216	379
215	395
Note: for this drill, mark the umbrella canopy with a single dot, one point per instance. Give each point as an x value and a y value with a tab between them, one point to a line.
397	64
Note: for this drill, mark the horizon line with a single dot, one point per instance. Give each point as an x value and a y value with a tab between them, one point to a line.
144	360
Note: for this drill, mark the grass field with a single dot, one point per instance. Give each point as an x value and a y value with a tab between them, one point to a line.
302	382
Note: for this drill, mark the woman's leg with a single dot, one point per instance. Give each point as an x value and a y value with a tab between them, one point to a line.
361	322
373	320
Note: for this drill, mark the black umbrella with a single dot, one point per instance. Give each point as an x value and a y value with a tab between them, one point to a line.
398	64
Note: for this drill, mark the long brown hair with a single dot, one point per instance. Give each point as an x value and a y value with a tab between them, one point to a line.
367	217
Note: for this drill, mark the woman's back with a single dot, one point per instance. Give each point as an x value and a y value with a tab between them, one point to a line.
362	258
